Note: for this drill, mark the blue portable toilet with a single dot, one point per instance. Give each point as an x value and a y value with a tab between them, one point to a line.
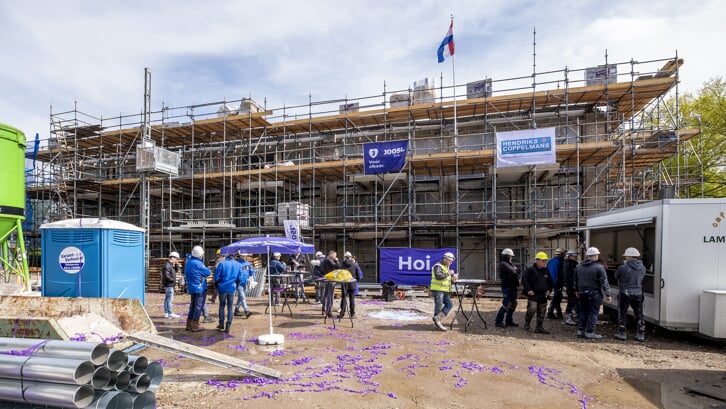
92	257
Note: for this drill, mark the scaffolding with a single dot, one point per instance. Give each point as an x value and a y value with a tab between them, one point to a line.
245	167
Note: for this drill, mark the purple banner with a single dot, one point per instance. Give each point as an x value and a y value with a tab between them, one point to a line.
410	266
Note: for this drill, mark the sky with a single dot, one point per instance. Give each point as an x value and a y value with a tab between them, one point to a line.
57	55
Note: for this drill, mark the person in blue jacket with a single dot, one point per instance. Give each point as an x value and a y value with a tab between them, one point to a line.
196	273
226	279
247	272
555	267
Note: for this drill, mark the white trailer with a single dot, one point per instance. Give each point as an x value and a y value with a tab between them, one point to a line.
683	247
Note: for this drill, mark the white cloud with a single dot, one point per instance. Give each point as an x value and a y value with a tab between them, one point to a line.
94	53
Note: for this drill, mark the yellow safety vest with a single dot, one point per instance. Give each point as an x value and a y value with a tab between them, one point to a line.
440	285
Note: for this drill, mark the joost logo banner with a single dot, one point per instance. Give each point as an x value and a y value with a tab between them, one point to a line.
410	266
382	157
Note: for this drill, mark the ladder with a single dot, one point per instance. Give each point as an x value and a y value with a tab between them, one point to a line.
203	355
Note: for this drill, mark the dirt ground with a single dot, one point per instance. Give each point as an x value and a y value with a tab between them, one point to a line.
391	357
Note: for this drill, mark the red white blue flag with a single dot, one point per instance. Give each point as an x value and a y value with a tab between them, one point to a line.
446	49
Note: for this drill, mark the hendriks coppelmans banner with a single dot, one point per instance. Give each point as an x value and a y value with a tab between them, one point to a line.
411	266
382	157
526	147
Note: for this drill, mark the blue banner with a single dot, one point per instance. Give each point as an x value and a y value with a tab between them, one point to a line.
382	157
410	266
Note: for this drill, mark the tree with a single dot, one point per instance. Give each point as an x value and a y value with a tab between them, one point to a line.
707	110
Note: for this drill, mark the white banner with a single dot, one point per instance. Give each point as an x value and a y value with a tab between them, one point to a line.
292	229
526	147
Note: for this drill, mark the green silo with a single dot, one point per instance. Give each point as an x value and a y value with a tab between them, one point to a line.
12	199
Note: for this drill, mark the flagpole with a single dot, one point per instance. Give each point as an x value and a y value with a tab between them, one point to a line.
453	78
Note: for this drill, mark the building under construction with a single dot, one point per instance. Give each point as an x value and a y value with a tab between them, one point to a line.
215	173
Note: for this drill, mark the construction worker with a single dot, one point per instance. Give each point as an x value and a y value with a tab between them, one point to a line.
591	282
509	276
537	284
196	274
630	282
226	280
568	281
555	268
441	278
168	281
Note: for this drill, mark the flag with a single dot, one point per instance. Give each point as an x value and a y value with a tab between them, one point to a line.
446	49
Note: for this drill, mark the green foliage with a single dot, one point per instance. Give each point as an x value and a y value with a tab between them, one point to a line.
706	111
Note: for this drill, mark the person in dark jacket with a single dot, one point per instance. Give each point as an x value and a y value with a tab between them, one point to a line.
168	281
509	277
276	268
630	282
196	274
591	282
537	284
348	289
568	281
296	263
327	265
317	275
555	266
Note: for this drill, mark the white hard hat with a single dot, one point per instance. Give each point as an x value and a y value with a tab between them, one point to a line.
592	251
174	254
507	252
276	254
243	254
347	254
449	255
571	252
631	252
198	252
319	254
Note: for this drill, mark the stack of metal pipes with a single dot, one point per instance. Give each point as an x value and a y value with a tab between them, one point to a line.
38	373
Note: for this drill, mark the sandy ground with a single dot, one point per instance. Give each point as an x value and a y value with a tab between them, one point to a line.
391	357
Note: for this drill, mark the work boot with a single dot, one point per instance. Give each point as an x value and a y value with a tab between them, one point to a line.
189	325
539	329
526	325
580	333
227	328
500	325
551	316
620	336
220	326
237	312
640	337
592	335
247	314
569	320
512	324
196	327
